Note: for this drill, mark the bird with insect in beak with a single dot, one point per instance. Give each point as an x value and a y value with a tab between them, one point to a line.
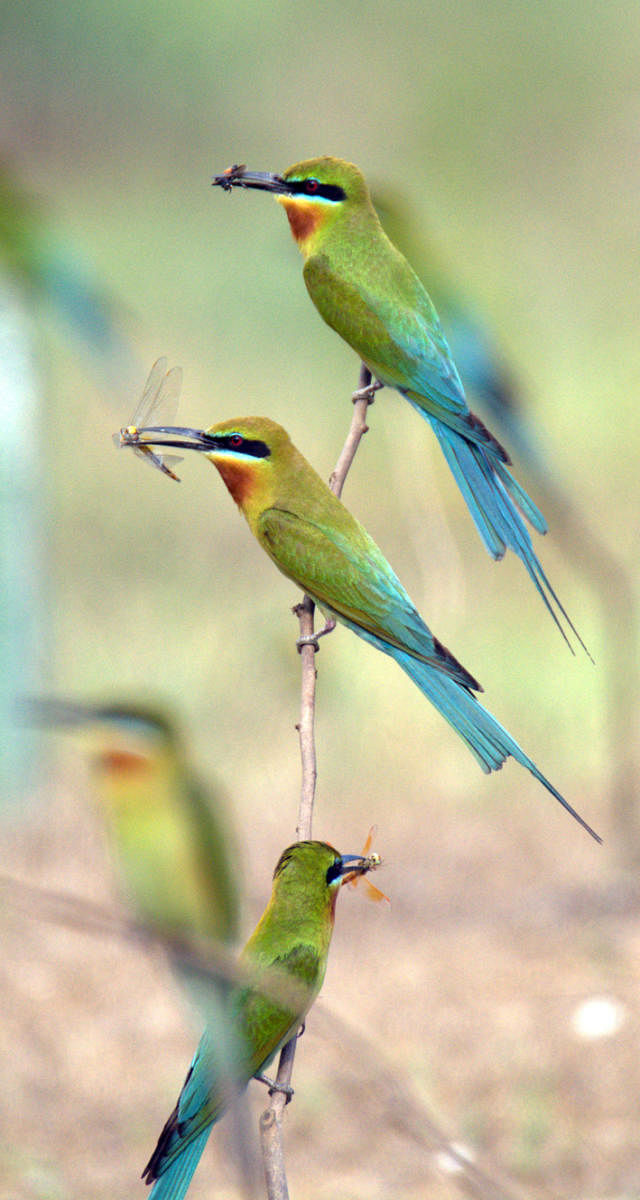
365	289
287	953
315	541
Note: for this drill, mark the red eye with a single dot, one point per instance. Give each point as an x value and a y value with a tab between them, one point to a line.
235	440
312	186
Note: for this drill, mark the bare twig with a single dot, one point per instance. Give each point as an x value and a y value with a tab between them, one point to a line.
275	1171
361	401
271	1119
305	727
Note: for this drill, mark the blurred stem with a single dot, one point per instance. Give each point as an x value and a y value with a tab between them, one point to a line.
271	1119
619	612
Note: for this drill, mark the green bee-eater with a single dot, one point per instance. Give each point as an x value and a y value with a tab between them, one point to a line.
366	290
315	541
289	945
169	840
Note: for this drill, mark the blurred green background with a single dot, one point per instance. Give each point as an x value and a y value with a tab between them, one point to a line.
511	131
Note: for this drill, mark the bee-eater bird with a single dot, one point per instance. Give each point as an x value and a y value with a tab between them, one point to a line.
315	541
290	945
365	289
168	836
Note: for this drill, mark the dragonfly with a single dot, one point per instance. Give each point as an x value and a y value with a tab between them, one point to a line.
373	861
159	400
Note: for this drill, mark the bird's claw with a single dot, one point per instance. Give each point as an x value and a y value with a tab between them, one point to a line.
367	393
274	1086
307	639
311	639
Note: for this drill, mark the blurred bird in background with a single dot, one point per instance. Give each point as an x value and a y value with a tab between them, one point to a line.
170	839
43	274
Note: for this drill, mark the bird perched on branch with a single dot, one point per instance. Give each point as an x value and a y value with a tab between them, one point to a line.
365	289
314	540
286	959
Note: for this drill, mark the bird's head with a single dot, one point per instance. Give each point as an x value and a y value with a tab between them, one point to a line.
318	195
315	870
247	451
124	740
130	743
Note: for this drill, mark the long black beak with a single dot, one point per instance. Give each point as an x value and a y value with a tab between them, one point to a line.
238	176
170	435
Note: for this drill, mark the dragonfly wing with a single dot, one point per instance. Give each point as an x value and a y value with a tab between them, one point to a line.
150	392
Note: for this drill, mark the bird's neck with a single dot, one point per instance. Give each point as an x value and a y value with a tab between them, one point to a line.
255	487
240	479
306	220
288	920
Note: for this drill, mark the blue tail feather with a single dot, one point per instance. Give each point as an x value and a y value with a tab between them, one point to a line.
173	1184
497	503
524	502
483	734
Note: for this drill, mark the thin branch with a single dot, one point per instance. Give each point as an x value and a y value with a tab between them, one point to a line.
271	1119
362	398
305	726
275	1171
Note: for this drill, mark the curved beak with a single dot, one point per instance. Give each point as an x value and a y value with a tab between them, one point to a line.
167	435
263	181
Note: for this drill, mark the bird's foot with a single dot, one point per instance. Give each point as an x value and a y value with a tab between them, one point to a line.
311	639
274	1086
367	393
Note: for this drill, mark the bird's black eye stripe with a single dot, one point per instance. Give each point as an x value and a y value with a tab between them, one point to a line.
252	447
334	870
313	187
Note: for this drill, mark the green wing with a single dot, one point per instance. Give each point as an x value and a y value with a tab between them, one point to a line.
264	1025
387	317
347	575
261	1028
